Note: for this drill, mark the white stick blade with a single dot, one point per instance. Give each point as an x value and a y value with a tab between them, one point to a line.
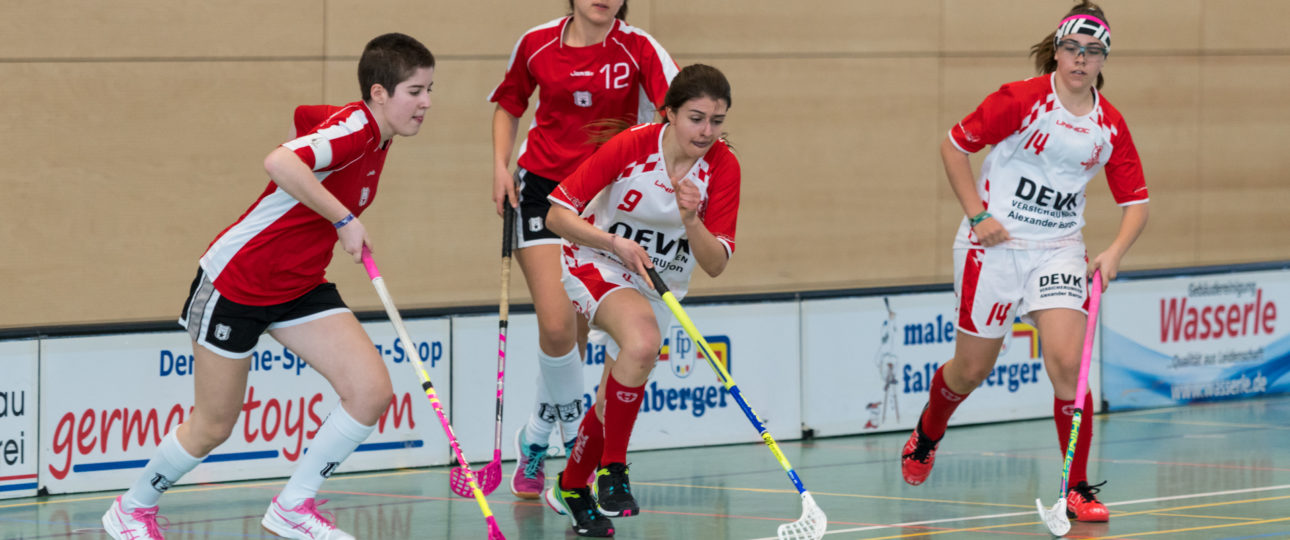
1055	517
810	526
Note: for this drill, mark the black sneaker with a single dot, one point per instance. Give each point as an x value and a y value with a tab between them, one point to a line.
580	506
614	491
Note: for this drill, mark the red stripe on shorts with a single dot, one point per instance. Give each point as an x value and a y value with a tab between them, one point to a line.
971	275
590	278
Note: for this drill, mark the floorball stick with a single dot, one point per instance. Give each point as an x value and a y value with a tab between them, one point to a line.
490	476
1055	517
494	533
813	522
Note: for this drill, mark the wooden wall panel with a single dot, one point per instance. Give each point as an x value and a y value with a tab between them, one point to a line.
483	27
844	27
122	185
1244	160
1248	25
835	188
71	29
129	161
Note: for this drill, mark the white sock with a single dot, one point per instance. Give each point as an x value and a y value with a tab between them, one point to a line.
559	397
164	469
339	435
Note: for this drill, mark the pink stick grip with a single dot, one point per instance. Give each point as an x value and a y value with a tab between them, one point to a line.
1094	302
369	263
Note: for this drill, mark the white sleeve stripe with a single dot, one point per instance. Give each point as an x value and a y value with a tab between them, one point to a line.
1131	203
320	141
629	54
956	143
529	62
562	203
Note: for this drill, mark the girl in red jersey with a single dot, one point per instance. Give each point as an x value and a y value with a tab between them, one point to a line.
662	196
266	272
1019	250
589	68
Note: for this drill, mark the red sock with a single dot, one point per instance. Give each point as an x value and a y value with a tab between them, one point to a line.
586	452
1063	412
622	405
940	406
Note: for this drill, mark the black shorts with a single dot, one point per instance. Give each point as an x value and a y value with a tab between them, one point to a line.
232	330
530	228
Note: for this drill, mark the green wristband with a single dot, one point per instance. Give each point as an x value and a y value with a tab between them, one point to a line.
977	219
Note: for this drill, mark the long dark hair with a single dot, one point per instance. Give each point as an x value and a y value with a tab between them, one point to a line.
693	81
621	15
1043	51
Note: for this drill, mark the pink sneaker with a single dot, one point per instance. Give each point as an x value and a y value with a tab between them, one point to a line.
139	524
529	478
303	522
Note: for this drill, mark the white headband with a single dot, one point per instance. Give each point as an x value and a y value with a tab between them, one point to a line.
1084	24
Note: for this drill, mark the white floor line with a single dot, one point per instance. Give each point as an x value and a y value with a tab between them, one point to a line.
1014	514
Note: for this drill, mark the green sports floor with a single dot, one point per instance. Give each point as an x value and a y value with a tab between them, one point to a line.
1212	471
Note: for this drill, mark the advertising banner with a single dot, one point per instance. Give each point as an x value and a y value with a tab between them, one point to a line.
1177	340
868	363
107	401
683	403
19	396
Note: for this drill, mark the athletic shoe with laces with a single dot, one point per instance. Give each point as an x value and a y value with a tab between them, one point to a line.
529	476
614	492
138	524
1082	503
917	458
304	522
580	506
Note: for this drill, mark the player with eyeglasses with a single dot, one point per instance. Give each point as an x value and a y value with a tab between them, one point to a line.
1019	251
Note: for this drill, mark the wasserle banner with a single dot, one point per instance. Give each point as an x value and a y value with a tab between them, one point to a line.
1175	341
106	402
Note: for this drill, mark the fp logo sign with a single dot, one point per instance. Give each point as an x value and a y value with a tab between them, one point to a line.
682	352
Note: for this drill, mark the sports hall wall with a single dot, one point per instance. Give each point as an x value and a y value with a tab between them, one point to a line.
135	130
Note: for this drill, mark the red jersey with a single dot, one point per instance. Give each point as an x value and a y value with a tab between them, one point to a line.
279	249
624	189
1033	180
623	77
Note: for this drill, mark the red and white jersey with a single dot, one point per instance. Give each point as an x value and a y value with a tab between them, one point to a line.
624	189
1033	180
623	77
279	249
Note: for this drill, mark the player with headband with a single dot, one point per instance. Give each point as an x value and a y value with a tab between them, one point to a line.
1019	250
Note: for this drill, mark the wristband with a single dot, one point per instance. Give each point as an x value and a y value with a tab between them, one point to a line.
344	221
977	219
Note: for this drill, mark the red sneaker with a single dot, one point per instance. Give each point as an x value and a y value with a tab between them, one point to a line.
918	456
1082	503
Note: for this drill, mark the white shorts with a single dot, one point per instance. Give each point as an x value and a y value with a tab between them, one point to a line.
589	283
994	285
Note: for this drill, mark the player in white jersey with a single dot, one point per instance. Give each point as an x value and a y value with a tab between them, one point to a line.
664	196
1019	250
265	273
587	68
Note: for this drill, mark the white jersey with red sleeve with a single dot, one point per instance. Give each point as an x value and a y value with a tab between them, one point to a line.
279	249
1033	180
624	189
623	77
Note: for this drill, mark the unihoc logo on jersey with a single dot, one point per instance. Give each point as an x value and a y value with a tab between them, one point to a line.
362	197
582	98
682	353
222	332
